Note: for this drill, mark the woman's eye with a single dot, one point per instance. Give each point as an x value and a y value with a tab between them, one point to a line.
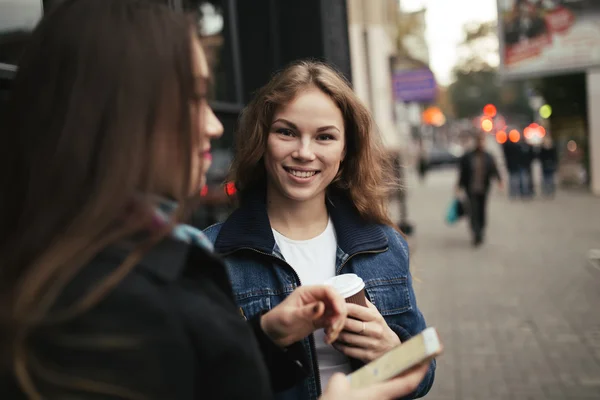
325	136
285	132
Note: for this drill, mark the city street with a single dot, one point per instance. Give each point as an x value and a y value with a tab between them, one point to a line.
520	316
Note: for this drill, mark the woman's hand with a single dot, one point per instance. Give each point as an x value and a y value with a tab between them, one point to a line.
339	387
307	309
366	335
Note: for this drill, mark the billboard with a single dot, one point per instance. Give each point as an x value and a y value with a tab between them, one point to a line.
546	37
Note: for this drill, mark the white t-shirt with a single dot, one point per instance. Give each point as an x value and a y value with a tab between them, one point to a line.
314	262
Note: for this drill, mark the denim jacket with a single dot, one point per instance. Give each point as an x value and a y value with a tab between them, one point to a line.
261	278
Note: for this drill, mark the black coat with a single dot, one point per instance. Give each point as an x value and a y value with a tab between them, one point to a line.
548	158
512	156
169	330
466	171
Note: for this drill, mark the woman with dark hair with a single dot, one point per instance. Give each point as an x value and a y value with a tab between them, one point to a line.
314	179
103	294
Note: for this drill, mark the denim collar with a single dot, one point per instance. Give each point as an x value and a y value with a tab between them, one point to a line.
249	226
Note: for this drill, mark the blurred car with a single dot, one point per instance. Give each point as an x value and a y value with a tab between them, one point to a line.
218	196
438	156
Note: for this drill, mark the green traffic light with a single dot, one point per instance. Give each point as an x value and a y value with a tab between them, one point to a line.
545	111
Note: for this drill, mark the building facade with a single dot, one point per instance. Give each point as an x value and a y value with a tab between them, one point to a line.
372	27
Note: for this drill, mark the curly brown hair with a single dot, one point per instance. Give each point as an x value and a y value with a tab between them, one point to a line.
366	174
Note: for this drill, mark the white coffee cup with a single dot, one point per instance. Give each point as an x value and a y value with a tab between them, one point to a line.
350	286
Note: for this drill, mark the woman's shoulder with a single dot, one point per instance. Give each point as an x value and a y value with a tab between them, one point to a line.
396	240
161	293
153	278
138	307
160	312
141	285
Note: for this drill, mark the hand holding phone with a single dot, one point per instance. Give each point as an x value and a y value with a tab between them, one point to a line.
417	350
339	387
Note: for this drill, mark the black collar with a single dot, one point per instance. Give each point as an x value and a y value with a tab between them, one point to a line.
249	227
165	260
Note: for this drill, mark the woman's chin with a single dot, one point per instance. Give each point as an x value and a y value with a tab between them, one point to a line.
301	196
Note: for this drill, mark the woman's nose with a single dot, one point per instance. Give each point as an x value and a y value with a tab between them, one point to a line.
304	151
213	127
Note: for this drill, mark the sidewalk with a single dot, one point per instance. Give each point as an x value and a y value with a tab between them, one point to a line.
520	316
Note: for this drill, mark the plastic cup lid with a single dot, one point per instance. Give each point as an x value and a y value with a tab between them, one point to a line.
346	284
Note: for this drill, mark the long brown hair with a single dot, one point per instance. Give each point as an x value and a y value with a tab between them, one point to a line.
366	174
101	88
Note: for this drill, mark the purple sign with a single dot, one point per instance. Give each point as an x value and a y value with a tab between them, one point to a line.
414	85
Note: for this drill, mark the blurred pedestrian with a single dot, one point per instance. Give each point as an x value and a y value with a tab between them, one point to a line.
525	163
313	178
512	161
104	294
531	156
549	161
519	158
476	170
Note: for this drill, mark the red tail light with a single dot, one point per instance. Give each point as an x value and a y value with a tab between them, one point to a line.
230	188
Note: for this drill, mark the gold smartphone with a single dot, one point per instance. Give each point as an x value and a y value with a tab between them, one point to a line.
417	350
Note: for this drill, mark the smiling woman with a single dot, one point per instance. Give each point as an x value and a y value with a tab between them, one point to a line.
313	179
311	91
305	148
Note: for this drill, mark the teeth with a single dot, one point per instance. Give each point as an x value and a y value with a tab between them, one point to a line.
302	174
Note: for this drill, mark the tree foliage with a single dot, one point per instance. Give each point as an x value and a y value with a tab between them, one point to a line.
410	37
476	76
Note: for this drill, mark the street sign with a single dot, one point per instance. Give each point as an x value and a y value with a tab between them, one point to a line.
414	85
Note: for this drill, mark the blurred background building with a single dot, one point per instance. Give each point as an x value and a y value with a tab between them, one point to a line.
373	31
534	63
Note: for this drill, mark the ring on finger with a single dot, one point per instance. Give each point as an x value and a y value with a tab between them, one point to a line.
362	331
